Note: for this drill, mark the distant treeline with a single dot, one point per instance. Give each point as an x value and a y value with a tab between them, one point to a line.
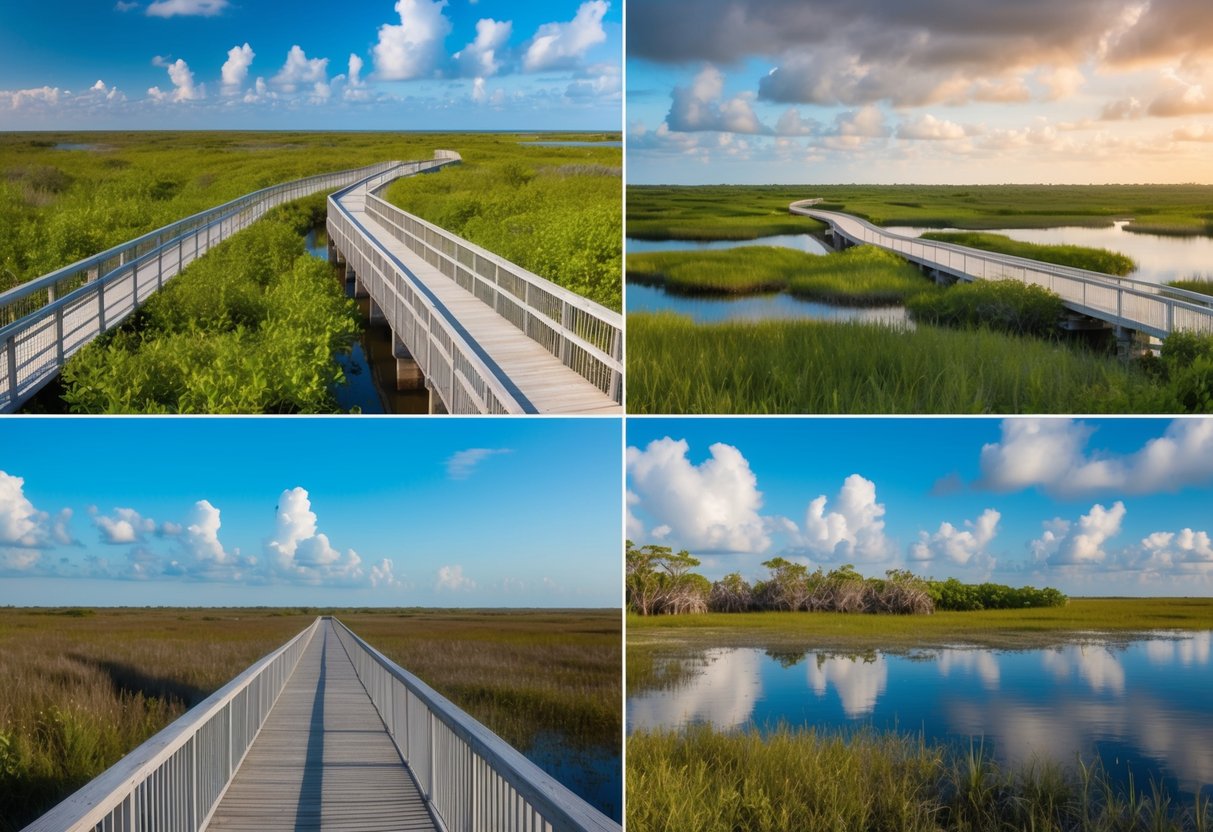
660	582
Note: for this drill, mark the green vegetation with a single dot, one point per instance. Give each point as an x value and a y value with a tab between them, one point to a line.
252	327
659	582
1000	305
802	779
552	210
744	212
58	206
1203	285
1185	367
676	366
83	688
859	276
1079	257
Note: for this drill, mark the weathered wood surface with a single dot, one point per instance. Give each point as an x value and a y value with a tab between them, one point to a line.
324	760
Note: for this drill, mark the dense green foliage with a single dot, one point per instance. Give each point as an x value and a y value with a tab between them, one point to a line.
1079	257
677	366
802	779
1001	305
1203	285
858	276
58	206
660	582
552	210
743	212
252	327
1185	366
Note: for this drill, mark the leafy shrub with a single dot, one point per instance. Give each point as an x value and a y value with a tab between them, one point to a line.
1002	305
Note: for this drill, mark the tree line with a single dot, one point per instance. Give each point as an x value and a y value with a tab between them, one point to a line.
659	581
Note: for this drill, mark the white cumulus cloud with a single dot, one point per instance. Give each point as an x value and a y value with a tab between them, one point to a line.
412	48
1080	543
853	530
235	68
560	45
699	107
300	552
125	525
482	57
452	578
184	88
712	506
185	8
960	546
299	70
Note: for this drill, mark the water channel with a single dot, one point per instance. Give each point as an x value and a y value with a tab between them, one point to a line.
1141	705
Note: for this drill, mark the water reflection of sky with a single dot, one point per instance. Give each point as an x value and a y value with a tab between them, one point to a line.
801	242
772	307
1145	704
1159	259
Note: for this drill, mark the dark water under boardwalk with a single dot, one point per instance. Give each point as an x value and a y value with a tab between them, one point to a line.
1142	706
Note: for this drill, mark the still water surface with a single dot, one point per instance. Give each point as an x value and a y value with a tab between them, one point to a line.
706	309
801	242
1143	705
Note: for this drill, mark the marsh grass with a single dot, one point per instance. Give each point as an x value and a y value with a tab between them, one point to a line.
677	366
1001	305
82	688
809	780
1080	257
1203	285
859	276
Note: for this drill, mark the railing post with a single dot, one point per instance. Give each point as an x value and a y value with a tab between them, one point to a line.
59	336
100	306
10	349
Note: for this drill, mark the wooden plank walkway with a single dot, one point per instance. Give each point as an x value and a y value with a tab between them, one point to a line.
547	383
323	760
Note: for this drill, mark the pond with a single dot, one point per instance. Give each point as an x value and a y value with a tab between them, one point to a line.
594	774
801	242
770	307
1141	706
1160	259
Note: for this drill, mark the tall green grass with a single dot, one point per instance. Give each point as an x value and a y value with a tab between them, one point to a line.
1203	285
1000	305
1080	257
806	780
677	366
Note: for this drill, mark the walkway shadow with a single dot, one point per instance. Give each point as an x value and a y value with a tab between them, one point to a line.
129	679
307	812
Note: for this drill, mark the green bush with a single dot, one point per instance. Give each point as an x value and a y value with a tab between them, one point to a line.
1079	257
1001	305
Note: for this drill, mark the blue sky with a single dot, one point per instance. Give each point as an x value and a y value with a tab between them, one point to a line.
933	91
385	512
1094	506
371	64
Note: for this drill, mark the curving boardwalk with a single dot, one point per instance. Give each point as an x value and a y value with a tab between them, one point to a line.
489	336
324	759
1120	301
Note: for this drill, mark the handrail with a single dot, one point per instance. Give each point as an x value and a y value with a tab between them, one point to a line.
1136	304
471	779
175	779
46	320
454	366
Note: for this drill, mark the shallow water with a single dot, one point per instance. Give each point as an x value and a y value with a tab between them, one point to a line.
801	242
1159	259
770	307
1142	706
593	774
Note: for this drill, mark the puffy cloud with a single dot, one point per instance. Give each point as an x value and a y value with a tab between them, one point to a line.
929	128
21	98
125	525
184	88
1050	453
300	70
382	574
461	464
200	537
185	8
1082	543
853	530
699	107
21	524
1122	109
355	86
604	81
561	45
859	682
412	48
1184	551
866	122
957	545
235	68
300	552
1193	133
791	123
481	58
712	506
1061	82
453	579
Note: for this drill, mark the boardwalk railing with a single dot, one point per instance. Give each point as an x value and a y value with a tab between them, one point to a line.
44	321
1134	304
173	782
472	780
583	335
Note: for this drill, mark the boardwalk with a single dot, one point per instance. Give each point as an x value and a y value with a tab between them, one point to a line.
1130	305
323	760
489	336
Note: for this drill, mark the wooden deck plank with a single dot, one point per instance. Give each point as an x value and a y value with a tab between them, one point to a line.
323	760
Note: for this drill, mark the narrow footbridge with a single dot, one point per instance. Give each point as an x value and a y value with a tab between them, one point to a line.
482	334
325	733
1126	304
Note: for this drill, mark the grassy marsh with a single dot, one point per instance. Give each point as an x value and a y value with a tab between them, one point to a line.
1079	257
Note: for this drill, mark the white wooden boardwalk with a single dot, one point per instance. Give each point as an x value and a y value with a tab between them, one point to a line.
323	760
532	373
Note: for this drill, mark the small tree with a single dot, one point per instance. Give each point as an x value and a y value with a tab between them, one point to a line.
731	594
787	588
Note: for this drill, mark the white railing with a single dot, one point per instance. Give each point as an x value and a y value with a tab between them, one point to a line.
44	321
174	781
1134	304
456	368
472	780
